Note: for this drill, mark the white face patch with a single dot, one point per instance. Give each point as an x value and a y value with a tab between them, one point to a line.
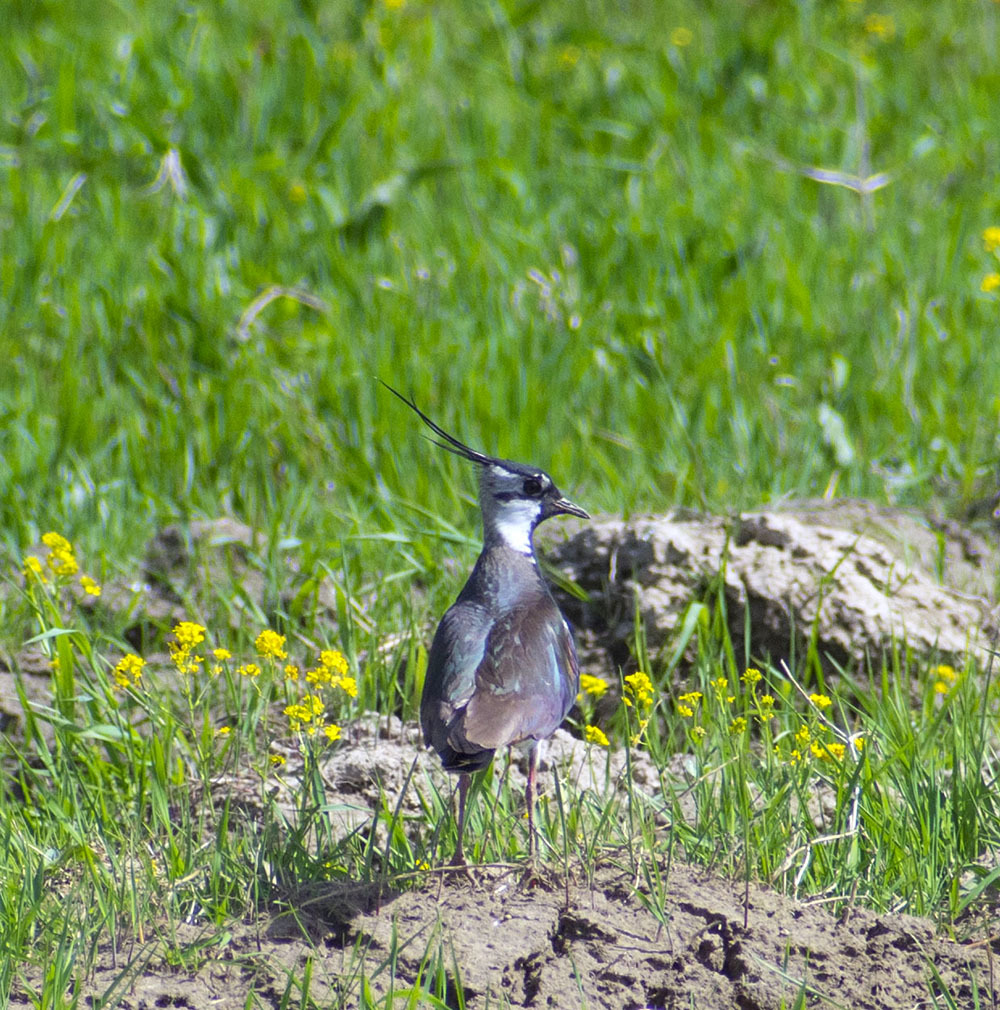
513	522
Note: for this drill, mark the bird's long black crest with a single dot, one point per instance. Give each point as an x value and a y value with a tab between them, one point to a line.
450	443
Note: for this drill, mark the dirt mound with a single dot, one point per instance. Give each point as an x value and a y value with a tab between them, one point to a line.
855	578
500	941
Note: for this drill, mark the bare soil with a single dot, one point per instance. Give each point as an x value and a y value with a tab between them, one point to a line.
499	940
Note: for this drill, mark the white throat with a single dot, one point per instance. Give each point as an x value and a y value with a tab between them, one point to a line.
512	523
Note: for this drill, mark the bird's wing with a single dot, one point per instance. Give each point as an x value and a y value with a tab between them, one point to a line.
456	654
527	679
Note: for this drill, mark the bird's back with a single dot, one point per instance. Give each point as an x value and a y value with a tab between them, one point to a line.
502	667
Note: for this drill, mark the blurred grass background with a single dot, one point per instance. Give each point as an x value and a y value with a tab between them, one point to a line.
582	236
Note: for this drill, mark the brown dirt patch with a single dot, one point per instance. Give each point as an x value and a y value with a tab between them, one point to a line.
502	942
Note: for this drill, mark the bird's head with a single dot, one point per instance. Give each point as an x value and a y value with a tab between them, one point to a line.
514	498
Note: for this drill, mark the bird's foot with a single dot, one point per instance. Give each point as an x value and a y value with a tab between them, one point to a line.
459	865
535	876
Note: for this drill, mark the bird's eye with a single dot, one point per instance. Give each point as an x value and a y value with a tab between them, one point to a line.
532	486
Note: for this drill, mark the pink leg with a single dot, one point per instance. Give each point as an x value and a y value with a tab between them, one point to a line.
464	781
529	799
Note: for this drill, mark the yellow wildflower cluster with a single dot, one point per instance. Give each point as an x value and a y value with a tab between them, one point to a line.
720	686
945	678
308	716
60	561
687	704
751	676
189	635
596	687
270	645
828	751
332	670
815	744
821	701
591	689
128	672
594	734
220	656
638	695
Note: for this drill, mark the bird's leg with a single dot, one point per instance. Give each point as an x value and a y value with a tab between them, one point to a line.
464	781
529	799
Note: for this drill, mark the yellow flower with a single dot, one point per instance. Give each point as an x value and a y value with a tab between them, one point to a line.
297	715
224	730
859	743
291	672
681	37
638	689
751	676
737	726
640	732
828	752
270	645
332	732
222	654
128	671
990	283
33	567
349	686
595	686
795	757
277	760
945	678
183	660
691	698
594	734
767	701
56	542
991	239
881	26
90	586
61	561
189	634
697	733
333	660
685	711
803	736
820	700
248	670
319	675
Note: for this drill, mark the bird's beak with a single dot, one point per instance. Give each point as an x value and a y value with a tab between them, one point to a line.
564	507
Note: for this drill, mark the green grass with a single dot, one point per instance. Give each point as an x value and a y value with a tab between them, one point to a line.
577	243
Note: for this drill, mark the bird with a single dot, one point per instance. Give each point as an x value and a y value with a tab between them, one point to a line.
502	669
